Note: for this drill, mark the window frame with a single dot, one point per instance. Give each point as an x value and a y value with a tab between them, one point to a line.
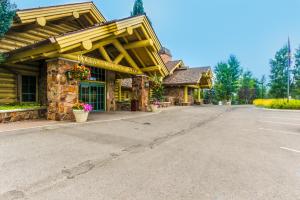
36	89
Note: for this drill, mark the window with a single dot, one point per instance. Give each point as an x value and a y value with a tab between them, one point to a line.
28	88
97	74
190	91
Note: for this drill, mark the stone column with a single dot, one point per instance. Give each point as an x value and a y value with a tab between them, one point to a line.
110	91
62	94
140	91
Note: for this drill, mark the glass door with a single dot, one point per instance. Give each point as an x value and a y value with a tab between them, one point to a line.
94	94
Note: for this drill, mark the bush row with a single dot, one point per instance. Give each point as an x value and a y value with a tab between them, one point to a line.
278	103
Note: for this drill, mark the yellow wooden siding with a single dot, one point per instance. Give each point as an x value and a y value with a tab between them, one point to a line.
126	95
8	87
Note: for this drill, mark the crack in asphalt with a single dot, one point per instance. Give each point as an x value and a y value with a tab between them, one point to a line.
89	165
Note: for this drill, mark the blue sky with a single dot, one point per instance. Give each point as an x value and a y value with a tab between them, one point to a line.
204	32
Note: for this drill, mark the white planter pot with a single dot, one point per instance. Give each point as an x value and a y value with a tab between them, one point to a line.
154	108
80	116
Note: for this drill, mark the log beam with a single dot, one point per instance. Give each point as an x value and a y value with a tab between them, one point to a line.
104	54
120	48
76	15
139	44
151	69
41	21
87	45
101	64
119	58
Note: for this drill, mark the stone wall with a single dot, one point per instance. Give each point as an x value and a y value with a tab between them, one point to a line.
123	106
29	114
175	95
110	91
62	94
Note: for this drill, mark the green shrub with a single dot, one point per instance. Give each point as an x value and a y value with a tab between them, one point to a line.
18	106
278	103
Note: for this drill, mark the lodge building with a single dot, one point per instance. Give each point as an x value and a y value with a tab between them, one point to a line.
45	43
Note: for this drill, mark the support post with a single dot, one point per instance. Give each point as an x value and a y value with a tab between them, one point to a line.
199	95
120	91
186	94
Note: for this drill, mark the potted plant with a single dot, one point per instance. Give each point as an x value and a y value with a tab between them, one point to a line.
79	72
157	92
154	106
81	111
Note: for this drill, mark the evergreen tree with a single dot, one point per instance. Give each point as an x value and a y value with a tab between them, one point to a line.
227	78
278	77
138	8
235	72
296	74
7	13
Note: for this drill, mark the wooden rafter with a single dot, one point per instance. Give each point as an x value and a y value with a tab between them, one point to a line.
139	44
118	59
120	48
104	53
45	14
135	54
151	69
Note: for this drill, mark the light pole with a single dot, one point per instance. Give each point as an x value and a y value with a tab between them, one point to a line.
288	69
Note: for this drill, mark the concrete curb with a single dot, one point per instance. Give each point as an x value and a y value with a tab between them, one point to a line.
73	124
277	110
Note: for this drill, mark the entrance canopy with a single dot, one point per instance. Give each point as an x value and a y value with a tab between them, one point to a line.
79	32
199	77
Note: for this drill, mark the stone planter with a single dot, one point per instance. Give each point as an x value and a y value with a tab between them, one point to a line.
80	116
153	108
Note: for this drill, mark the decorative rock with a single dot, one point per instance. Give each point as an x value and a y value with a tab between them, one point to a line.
22	115
62	94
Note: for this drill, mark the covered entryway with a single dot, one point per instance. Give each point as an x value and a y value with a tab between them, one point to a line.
93	93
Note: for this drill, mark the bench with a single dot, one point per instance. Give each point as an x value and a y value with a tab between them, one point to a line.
165	104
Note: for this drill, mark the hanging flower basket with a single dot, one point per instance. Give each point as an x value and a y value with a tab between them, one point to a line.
81	111
79	72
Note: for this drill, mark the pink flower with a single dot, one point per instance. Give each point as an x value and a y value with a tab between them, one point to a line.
87	108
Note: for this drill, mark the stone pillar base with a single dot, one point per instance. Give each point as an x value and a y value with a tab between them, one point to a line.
62	94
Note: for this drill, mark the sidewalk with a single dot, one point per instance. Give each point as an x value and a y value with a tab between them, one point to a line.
93	118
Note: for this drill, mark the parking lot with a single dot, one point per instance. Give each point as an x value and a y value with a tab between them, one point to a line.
210	152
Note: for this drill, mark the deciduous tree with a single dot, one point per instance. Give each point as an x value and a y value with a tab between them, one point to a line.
278	77
7	13
248	88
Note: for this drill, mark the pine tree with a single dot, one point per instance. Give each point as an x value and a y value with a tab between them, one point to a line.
235	72
7	13
227	78
296	74
278	77
138	8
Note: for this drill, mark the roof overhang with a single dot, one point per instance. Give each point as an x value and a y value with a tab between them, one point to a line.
204	81
178	65
133	38
42	15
